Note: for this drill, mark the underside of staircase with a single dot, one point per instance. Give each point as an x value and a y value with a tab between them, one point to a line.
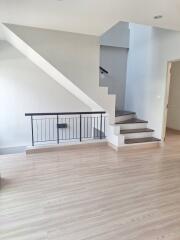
134	130
58	56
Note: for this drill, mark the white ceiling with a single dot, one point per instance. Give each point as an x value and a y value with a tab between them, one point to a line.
89	16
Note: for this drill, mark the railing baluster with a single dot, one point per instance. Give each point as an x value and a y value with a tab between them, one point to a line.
57	129
94	128
53	128
73	127
101	127
41	129
45	128
104	127
91	128
80	128
66	129
84	132
76	128
69	129
37	135
32	130
62	131
49	128
87	126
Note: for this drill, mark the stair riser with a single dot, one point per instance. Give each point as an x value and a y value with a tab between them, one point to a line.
133	126
138	135
140	146
124	118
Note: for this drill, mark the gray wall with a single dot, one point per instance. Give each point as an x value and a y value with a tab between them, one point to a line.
114	59
173	118
150	50
117	36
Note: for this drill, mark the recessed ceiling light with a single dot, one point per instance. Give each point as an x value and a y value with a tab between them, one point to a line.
158	17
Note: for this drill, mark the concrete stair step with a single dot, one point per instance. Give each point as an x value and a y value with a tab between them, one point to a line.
119	113
141	140
132	121
140	130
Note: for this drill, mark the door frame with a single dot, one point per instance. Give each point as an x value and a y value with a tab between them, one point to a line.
166	99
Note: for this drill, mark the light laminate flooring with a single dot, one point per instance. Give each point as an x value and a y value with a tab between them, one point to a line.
93	193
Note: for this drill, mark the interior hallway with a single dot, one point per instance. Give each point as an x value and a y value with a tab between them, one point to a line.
172	137
93	194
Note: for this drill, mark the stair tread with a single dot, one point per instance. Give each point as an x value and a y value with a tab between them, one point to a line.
132	120
140	130
141	140
120	113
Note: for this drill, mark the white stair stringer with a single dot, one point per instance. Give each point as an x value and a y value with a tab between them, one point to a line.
114	137
97	102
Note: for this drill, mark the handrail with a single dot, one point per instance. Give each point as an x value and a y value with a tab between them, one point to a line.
63	113
103	70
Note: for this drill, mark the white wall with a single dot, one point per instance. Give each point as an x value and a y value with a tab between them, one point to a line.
25	88
150	50
117	36
173	117
75	56
2	37
114	60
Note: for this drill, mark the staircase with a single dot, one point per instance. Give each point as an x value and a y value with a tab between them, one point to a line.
72	60
134	130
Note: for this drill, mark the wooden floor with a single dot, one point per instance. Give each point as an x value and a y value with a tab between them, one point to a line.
92	194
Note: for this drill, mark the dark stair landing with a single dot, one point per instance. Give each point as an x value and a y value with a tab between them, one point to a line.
123	113
141	130
141	140
132	120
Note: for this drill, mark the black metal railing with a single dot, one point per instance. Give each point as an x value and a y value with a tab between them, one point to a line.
63	127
